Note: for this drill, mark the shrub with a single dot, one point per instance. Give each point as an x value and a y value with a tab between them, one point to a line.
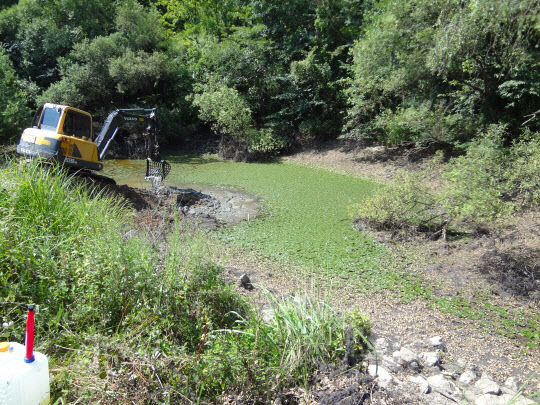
525	173
14	113
478	190
229	115
404	204
489	183
419	124
492	180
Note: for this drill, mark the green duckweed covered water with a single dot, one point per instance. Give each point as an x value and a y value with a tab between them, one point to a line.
306	219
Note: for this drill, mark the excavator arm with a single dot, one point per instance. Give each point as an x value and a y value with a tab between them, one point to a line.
156	169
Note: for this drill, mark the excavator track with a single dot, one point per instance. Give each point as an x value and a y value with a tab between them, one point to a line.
92	177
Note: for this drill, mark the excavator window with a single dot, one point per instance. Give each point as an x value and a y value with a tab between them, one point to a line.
37	116
77	124
50	118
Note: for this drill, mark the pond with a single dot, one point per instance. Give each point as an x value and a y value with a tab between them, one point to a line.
306	217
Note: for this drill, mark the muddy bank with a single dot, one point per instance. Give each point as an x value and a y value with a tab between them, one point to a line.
207	207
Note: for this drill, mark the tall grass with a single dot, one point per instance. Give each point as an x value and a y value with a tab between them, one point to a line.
308	331
52	236
301	335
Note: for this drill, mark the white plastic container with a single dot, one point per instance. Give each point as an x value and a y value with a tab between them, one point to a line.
23	383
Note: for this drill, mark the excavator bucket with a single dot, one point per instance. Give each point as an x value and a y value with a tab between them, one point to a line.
156	170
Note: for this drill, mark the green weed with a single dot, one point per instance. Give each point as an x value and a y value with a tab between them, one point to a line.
301	335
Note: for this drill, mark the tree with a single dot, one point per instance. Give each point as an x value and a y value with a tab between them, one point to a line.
14	114
38	32
131	67
308	101
488	52
289	24
439	70
212	17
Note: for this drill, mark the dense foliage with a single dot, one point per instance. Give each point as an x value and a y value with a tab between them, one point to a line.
13	109
485	186
439	70
392	71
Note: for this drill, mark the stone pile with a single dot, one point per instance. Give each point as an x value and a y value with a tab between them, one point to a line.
424	370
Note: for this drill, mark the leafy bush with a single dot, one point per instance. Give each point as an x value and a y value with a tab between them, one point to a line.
228	113
493	181
419	124
225	109
405	204
488	183
524	175
478	189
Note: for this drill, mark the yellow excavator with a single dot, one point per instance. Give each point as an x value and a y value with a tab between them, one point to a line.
64	134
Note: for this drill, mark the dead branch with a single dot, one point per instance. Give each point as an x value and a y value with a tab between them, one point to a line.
533	116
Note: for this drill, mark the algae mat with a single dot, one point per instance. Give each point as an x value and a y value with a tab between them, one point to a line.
306	218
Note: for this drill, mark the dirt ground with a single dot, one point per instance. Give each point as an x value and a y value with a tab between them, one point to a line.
505	264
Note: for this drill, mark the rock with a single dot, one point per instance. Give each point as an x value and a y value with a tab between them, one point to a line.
414	365
382	346
452	371
422	383
442	384
268	316
437	342
430	358
488	386
443	249
467	378
408	355
390	364
245	281
469	396
486	376
512	384
385	378
429	371
489	400
487	242
517	400
461	363
405	357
